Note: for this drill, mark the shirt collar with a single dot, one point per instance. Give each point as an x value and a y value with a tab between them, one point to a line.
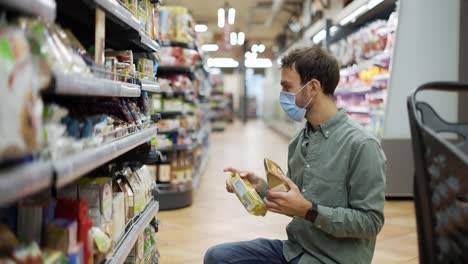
328	127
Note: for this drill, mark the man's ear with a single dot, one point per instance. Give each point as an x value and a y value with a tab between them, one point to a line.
315	87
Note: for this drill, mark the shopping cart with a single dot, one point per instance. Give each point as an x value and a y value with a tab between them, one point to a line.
441	180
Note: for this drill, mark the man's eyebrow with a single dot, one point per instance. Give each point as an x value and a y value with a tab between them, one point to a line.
284	82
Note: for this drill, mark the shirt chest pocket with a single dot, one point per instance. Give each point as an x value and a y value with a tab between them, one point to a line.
327	188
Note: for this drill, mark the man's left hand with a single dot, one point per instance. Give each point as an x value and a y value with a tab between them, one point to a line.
291	203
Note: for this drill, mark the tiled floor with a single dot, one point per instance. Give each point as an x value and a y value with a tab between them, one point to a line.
217	216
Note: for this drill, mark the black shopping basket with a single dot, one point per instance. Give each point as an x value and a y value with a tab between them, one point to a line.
441	180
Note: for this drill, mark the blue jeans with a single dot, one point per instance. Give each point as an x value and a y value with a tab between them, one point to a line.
259	250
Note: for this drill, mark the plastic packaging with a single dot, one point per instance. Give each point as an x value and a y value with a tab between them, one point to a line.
246	193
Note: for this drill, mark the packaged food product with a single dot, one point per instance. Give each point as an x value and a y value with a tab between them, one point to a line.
51	256
275	177
28	254
102	242
20	106
131	5
62	235
98	193
118	215
246	193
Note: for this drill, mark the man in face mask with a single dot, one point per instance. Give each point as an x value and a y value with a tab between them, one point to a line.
336	177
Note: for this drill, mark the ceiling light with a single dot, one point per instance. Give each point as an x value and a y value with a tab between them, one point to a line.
231	15
258	63
261	48
210	47
222	63
221	17
354	15
201	28
254	48
233	38
240	38
373	3
319	36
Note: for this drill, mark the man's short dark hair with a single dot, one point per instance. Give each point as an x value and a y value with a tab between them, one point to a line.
314	63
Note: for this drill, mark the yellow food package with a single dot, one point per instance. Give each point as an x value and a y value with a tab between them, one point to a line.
246	193
275	177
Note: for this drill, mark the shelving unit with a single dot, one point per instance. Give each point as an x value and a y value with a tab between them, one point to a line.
78	84
135	228
171	70
169	43
150	86
15	183
71	168
178	147
48	175
40	8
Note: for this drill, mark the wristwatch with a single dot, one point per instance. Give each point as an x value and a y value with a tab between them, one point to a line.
311	215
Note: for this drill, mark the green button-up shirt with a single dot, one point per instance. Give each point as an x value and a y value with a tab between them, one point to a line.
340	167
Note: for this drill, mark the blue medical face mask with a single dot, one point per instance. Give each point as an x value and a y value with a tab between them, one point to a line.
288	103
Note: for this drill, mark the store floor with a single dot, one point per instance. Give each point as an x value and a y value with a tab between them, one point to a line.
217	216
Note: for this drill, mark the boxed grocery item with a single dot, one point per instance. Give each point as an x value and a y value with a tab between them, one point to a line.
246	193
275	177
62	235
72	209
98	193
145	66
118	216
125	188
33	219
138	192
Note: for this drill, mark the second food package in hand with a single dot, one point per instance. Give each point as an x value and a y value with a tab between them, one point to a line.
246	193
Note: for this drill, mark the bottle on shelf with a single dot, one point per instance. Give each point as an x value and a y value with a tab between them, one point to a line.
164	172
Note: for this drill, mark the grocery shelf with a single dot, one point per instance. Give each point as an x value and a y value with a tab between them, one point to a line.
180	112
171	70
42	8
79	84
178	147
74	166
123	29
24	180
114	8
150	86
201	170
140	223
171	43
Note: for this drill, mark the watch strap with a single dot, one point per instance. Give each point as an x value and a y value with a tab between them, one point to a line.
311	215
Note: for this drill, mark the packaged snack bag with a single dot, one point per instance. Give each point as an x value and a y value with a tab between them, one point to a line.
246	193
274	177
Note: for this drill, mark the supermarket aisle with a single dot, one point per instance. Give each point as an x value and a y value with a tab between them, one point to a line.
217	216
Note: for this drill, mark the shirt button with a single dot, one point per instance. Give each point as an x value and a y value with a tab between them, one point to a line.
303	189
319	226
308	166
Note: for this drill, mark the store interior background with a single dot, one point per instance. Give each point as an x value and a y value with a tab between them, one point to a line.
428	46
218	107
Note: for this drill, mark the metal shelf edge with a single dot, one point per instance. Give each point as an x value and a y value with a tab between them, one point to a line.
150	86
24	180
145	39
74	166
43	8
113	7
127	243
77	84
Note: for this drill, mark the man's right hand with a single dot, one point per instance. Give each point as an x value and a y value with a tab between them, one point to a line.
256	181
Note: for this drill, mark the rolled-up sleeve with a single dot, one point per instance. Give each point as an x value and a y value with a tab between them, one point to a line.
364	218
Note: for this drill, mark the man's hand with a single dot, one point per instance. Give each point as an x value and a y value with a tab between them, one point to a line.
291	203
256	181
